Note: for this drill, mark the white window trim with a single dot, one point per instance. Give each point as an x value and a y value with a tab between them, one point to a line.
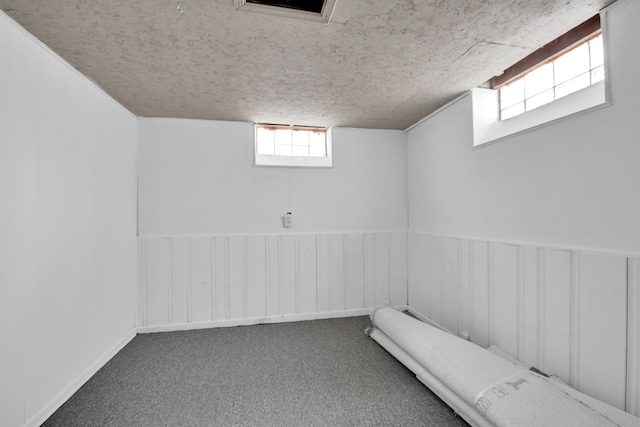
264	160
488	128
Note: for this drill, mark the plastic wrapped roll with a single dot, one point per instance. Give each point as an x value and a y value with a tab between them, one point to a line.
484	388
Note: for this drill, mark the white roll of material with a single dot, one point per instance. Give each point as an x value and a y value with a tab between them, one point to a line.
485	389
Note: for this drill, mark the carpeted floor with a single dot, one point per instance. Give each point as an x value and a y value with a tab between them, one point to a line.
313	373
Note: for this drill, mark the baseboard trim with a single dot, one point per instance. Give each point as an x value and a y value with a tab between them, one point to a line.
225	323
39	418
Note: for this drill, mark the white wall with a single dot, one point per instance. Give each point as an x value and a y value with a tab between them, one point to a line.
196	177
573	183
558	208
67	221
212	244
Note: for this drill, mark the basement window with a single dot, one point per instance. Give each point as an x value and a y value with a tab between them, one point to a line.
569	63
580	67
292	146
563	78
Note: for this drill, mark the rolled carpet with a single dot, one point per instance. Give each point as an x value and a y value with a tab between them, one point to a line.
483	387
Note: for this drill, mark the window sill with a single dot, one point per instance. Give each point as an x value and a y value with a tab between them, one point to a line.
488	128
292	161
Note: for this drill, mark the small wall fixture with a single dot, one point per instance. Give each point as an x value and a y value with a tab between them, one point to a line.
287	220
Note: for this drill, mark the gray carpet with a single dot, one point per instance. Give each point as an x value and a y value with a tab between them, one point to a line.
313	373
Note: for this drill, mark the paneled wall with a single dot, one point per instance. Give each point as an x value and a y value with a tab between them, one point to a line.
201	281
567	312
571	184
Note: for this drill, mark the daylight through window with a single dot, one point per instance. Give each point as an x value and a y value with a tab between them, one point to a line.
574	70
299	141
283	145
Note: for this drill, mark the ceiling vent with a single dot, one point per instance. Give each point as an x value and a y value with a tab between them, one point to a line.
308	10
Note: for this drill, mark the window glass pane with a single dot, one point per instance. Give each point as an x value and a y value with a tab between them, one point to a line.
597	52
512	111
572	64
291	141
570	72
265	148
300	150
317	151
512	94
300	137
597	74
283	137
538	80
573	85
317	139
283	150
540	99
265	139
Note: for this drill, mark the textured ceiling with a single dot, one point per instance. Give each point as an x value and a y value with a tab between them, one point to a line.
376	64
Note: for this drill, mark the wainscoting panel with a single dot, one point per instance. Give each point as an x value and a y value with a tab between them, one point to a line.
158	272
220	279
601	327
450	313
465	301
503	297
479	272
189	280
555	313
179	290
255	290
417	273
435	298
306	275
338	272
572	313
272	276
236	283
529	300
381	270
287	274
398	268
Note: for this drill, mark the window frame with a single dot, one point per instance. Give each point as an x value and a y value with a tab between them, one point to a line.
555	87
274	160
487	126
550	51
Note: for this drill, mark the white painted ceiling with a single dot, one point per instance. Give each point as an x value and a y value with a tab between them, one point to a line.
376	64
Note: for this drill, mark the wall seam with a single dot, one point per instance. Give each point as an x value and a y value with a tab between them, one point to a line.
212	285
170	285
520	304
632	389
189	317
574	320
490	291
